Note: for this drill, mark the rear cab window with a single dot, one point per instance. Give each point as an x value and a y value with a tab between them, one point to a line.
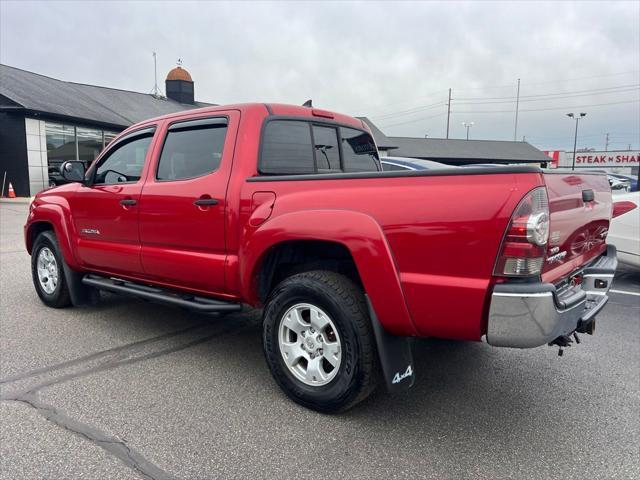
294	147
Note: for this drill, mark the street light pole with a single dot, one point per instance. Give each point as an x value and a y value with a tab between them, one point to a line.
575	137
467	125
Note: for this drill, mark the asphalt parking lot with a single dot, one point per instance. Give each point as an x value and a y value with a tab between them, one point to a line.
128	389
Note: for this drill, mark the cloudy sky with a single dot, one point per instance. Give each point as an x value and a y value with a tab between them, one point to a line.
393	62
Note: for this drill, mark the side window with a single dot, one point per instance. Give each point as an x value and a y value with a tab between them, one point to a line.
191	151
325	142
124	163
359	151
286	148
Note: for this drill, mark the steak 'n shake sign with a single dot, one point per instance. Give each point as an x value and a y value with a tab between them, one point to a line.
622	158
606	159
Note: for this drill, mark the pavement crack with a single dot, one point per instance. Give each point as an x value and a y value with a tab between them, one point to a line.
107	360
115	360
97	355
113	445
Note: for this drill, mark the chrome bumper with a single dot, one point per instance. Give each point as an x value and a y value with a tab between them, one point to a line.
525	315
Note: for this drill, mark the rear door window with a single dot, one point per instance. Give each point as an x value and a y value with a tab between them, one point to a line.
192	149
287	148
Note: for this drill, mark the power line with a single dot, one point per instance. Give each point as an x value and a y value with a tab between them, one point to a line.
587	135
547	109
585	78
495	87
548	82
410	111
523	98
548	98
590	91
429	95
413	121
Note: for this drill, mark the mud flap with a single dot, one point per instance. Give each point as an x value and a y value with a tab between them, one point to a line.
395	355
81	295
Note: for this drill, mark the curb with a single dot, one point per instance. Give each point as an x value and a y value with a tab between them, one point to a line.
19	200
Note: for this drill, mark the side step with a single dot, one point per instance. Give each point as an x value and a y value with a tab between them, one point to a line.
185	300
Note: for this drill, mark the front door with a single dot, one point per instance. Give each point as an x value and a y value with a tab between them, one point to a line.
105	213
183	204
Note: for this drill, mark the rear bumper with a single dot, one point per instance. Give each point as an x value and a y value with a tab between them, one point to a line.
533	314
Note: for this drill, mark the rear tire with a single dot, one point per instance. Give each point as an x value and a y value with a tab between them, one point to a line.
317	323
47	271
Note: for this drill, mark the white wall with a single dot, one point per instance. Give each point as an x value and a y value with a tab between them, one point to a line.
37	155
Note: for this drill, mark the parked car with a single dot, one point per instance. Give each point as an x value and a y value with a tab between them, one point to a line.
624	231
286	209
633	181
391	164
619	185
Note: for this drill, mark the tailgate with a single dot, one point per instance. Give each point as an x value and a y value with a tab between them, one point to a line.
580	208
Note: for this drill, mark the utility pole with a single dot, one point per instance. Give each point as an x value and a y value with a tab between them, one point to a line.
575	138
448	112
515	130
467	125
606	143
155	76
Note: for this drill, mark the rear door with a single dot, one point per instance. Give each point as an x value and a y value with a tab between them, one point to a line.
183	204
105	213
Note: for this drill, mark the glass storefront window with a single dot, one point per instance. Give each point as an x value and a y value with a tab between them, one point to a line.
108	137
67	142
89	144
61	143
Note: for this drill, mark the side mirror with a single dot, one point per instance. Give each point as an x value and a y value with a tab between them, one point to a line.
73	171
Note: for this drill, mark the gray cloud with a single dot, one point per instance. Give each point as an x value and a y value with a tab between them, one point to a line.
362	58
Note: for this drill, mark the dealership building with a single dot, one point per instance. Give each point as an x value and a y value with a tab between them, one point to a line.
457	151
45	121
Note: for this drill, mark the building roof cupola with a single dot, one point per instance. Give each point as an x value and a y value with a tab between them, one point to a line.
179	85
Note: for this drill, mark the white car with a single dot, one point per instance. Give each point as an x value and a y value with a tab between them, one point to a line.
624	231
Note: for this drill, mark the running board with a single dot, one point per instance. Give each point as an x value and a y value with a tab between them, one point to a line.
184	300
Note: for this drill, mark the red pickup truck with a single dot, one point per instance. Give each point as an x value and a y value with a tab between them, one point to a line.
286	208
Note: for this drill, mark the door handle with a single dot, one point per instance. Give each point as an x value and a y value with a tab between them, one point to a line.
205	202
128	202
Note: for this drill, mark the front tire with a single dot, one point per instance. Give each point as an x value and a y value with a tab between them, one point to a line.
47	271
318	341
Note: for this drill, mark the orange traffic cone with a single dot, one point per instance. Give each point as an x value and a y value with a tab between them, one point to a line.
12	193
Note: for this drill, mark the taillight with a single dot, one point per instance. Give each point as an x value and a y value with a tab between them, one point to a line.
523	248
620	208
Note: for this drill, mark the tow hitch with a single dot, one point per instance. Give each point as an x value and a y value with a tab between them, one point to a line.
564	341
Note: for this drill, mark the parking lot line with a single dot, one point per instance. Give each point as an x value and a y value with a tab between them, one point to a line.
624	292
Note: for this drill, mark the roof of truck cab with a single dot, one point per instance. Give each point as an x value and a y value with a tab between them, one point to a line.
273	109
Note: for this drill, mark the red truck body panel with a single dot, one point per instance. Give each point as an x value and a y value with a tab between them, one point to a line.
578	228
424	246
443	246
